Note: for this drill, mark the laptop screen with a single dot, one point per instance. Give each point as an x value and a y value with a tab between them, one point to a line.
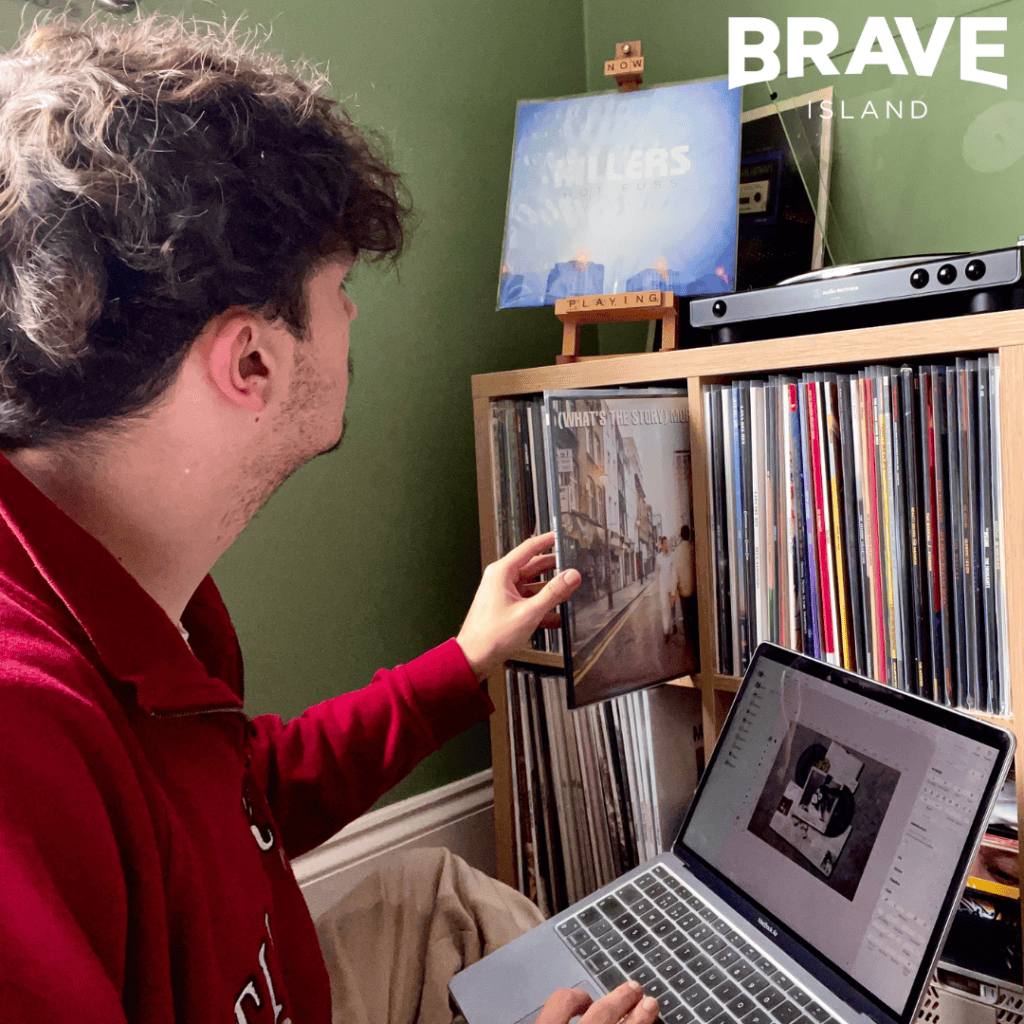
846	810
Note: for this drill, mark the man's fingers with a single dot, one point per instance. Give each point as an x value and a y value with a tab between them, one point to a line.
530	547
645	1012
563	1005
536	566
555	591
610	1009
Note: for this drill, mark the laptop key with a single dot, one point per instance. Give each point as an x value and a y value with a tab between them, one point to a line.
667	1002
621	951
766	965
695	995
713	945
687	921
674	940
712	977
657	956
670	899
786	1012
708	1008
645	882
680	1015
643	974
611	978
750	951
645	942
800	997
698	964
629	894
598	962
609	939
740	970
631	963
818	1012
685	952
669	968
780	979
770	997
742	1004
589	916
567	927
634	933
663	928
707	913
677	912
577	938
754	983
720	925
600	928
641	906
655	988
683	981
588	948
757	1017
611	907
726	957
700	932
726	991
623	921
656	890
652	917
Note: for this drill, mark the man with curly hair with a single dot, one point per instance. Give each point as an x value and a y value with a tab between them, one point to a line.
178	215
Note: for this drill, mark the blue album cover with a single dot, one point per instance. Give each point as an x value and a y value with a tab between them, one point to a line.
617	192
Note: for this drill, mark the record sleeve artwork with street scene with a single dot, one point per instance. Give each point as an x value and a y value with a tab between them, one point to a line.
621	490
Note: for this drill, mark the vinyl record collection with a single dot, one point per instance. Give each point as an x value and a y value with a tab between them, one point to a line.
598	790
520	474
858	517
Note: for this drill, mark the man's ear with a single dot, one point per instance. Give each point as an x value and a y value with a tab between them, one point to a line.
242	358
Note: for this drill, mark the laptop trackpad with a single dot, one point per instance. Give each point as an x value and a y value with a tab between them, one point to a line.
586	984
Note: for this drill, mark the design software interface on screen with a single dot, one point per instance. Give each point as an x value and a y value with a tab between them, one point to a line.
842	817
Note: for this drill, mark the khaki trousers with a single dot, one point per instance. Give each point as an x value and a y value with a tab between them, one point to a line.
393	943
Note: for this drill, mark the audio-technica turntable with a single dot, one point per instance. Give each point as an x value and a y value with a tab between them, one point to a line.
866	295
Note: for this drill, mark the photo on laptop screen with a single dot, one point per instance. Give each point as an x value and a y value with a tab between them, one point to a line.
623	192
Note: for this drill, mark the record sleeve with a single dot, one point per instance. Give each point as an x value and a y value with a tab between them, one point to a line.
621	485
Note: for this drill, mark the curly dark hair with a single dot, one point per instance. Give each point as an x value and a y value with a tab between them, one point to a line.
153	175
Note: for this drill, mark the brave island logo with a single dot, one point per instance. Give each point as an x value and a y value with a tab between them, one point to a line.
754	45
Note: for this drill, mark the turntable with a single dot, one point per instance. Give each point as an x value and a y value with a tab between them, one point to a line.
867	295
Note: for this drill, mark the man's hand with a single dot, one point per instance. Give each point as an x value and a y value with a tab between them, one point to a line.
626	1004
510	604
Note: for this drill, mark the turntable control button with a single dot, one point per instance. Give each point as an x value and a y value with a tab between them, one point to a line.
719	308
919	278
975	270
946	274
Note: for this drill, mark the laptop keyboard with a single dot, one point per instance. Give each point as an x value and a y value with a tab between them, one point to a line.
659	932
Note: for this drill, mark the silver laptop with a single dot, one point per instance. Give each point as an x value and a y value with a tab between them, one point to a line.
813	880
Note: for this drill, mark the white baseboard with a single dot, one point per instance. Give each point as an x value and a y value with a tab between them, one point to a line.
459	816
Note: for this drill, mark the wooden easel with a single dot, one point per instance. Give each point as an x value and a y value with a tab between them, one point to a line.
612	309
627	69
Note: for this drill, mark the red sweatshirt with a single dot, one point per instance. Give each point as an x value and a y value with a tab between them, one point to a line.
146	823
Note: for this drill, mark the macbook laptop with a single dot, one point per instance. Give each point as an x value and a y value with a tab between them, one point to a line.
813	880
